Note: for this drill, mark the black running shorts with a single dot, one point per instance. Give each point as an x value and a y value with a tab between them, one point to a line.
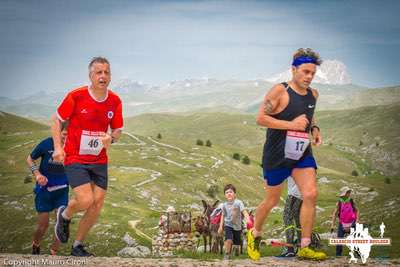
234	235
79	174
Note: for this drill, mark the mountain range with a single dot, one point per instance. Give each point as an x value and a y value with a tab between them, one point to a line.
332	81
333	72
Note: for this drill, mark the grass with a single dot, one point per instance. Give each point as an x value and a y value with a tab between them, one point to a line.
185	184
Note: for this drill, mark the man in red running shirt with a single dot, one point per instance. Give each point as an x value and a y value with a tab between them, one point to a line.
91	111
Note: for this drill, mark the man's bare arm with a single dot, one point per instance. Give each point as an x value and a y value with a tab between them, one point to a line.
56	131
58	154
269	107
116	134
40	179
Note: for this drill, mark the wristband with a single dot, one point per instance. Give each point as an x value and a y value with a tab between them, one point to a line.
34	168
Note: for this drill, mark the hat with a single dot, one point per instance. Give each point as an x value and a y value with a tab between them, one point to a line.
170	209
344	190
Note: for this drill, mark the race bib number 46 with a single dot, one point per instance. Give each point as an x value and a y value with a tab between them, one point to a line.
91	143
296	144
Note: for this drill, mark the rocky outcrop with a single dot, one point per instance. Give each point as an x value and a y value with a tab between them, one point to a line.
133	249
164	244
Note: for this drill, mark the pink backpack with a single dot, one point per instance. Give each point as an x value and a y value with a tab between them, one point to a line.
347	212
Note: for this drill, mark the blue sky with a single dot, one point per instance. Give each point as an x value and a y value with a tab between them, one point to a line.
46	45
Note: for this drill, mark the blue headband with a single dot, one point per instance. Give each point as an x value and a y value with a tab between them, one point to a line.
303	60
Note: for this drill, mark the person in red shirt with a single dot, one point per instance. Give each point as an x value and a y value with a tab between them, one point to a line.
91	111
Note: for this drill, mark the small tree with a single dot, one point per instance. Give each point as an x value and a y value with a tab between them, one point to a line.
28	179
208	143
212	191
246	160
199	142
387	180
236	156
354	173
159	136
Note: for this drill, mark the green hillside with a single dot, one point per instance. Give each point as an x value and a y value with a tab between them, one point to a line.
230	130
13	124
348	97
370	133
338	158
147	174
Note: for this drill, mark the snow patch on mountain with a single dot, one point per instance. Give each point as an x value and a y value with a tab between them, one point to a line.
330	72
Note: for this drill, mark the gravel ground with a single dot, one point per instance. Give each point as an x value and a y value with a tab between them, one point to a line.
46	260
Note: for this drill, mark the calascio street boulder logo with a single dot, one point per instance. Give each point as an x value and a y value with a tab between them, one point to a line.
359	241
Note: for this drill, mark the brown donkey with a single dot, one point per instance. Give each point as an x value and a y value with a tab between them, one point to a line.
202	224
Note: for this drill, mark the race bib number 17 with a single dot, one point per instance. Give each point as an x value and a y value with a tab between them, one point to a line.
91	143
296	144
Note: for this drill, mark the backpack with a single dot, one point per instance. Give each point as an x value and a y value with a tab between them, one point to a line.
347	212
215	216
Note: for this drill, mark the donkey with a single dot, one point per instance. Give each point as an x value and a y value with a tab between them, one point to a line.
202	224
217	239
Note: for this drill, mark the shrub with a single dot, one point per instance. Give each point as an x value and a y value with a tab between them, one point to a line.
354	173
199	142
212	191
246	160
387	180
208	143
236	156
159	136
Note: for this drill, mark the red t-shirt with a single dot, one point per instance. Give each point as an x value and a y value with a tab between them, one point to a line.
87	119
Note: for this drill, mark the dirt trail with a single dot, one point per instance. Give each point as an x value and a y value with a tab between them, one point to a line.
133	225
46	260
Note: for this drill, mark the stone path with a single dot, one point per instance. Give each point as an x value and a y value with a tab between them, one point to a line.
46	260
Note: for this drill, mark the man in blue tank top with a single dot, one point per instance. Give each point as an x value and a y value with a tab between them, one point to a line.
287	111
